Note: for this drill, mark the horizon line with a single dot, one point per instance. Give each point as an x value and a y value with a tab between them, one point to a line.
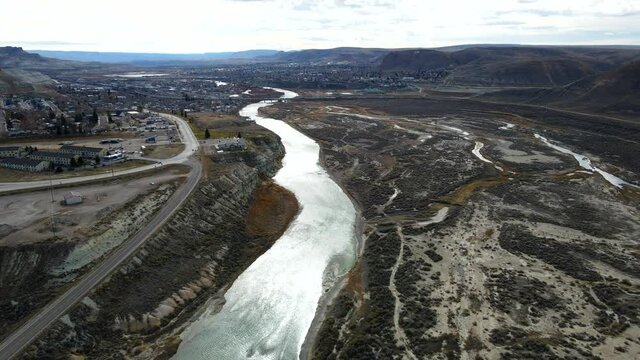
326	48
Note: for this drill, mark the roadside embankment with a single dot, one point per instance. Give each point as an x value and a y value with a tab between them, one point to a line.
233	217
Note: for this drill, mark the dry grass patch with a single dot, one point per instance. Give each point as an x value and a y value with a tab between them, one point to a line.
163	151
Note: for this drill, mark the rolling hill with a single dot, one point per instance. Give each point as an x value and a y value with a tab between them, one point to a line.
614	92
514	66
16	57
20	82
344	55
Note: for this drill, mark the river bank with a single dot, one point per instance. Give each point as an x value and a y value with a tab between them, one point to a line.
332	292
270	307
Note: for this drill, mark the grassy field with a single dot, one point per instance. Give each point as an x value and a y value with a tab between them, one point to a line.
223	126
163	151
199	133
8	175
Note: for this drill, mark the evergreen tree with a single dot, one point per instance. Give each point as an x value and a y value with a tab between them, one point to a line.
206	134
94	117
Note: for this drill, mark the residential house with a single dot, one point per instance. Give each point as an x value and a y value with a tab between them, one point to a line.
234	143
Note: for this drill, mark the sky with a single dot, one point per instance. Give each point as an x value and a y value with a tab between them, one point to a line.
195	26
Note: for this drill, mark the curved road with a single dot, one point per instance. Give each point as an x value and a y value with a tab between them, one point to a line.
13	345
190	145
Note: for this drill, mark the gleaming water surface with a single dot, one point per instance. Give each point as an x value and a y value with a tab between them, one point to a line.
271	305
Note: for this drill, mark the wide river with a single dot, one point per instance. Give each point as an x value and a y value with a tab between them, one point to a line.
270	307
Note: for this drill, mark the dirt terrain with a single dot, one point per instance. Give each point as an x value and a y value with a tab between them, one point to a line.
26	217
31	254
272	209
480	239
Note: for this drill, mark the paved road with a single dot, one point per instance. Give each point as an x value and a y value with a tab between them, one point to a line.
188	138
28	332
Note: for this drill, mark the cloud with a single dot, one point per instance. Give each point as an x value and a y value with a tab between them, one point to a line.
538	12
48	43
233	25
503	23
622	14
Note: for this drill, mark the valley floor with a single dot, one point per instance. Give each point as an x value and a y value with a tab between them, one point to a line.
481	240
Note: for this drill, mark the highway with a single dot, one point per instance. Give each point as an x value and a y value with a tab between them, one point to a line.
15	343
190	145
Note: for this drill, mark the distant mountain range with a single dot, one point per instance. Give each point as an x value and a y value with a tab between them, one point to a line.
16	57
124	57
347	55
598	78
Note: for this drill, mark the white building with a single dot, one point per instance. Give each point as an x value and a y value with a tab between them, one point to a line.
234	143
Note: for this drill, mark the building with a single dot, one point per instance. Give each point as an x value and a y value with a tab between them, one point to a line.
229	144
56	157
24	164
72	197
84	151
11	151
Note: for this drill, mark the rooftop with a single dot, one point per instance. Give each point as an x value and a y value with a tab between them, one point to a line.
53	154
21	161
81	148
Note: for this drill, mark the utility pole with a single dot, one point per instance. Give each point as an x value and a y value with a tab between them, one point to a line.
51	188
53	224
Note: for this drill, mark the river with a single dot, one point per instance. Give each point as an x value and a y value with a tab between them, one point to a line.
270	307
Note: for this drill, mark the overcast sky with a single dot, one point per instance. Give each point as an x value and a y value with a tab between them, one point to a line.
191	26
